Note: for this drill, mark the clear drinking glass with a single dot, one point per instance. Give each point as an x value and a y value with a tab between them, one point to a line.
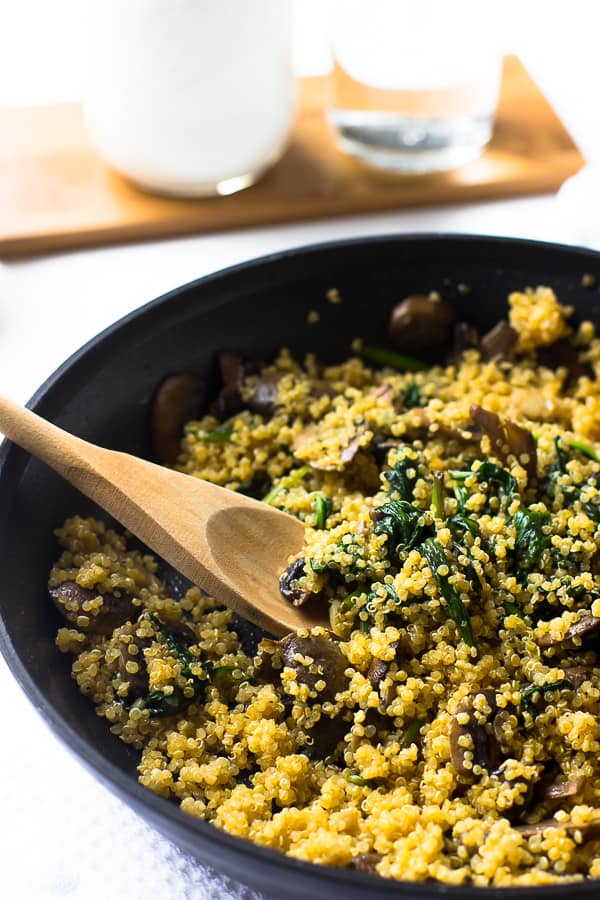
415	82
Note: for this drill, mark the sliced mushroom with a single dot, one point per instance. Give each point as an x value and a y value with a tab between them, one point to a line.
562	354
71	601
523	446
497	344
578	675
377	673
485	750
582	628
367	863
326	460
264	668
420	323
464	337
507	438
138	680
383	391
325	735
588	830
381	446
499	723
178	399
491	424
289	588
182	633
349	452
561	790
263	399
321	388
229	401
525	786
316	658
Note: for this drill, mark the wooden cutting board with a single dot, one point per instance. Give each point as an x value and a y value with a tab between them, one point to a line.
56	193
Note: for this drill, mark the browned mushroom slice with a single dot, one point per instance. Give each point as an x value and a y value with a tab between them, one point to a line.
367	863
500	724
349	452
381	446
498	343
316	659
507	438
229	401
377	673
523	446
263	396
561	790
264	667
491	424
582	628
325	735
420	323
321	388
131	655
578	675
326	448
562	354
522	789
72	601
464	338
182	633
383	391
178	399
484	749
588	830
289	583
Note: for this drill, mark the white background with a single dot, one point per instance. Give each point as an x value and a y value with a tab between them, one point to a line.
70	837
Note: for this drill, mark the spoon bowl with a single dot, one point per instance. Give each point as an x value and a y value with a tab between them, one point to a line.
233	546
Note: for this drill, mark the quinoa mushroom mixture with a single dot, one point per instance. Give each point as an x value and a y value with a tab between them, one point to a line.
447	726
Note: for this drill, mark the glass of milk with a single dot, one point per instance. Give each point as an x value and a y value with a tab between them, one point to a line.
189	98
415	82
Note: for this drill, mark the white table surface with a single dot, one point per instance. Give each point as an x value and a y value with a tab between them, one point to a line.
66	838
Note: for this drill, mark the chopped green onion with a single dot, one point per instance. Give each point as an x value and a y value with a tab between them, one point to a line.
322	508
285	484
348	601
437	496
395	360
354	777
218	436
411	732
586	449
536	691
412	396
460	474
365	625
511	609
391	593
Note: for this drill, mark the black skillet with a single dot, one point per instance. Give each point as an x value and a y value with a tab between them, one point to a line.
103	392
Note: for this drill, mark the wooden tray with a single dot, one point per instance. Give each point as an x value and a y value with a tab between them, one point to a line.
56	193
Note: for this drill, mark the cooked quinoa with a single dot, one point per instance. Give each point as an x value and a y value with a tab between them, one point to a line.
447	726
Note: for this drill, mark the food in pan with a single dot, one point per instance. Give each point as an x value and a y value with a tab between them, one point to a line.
447	725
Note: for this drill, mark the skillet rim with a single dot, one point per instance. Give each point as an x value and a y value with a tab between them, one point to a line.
232	856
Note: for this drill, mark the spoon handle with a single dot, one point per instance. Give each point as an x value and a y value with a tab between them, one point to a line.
68	455
230	544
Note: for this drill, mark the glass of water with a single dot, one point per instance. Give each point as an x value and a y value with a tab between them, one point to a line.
415	82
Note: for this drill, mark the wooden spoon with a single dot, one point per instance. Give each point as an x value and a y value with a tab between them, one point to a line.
232	546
